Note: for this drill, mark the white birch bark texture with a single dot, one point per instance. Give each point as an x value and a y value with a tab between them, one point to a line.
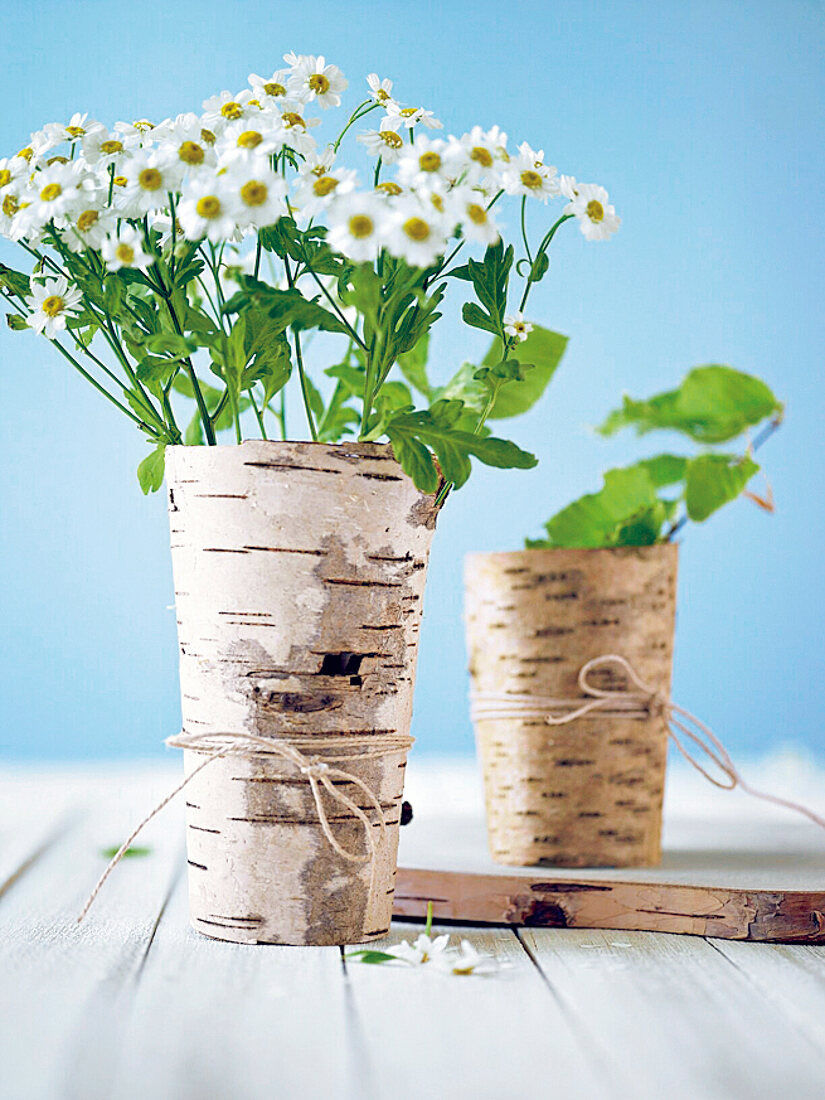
588	793
299	575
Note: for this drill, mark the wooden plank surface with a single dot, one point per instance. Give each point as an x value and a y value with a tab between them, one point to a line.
134	1004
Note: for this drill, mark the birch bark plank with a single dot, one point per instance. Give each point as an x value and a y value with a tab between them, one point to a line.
669	1016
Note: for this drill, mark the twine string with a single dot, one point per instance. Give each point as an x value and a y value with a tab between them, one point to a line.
639	702
317	772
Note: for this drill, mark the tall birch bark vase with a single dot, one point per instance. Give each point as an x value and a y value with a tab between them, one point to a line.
587	793
299	574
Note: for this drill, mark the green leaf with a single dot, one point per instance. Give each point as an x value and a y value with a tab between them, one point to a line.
372	957
597	519
135	852
150	471
170	343
193	436
544	350
475	316
15	281
156	372
466	387
413	433
16	322
713	480
664	469
712	405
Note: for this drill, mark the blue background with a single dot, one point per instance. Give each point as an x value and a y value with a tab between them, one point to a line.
704	122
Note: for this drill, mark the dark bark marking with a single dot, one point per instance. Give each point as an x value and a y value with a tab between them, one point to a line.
203	829
293	466
200	866
362	584
287	550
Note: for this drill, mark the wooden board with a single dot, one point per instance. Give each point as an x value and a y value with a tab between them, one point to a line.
549	902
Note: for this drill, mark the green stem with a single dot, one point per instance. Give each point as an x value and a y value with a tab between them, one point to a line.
258	414
354	117
304	389
281	415
524	230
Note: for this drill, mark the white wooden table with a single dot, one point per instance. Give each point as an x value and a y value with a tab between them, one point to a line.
133	1005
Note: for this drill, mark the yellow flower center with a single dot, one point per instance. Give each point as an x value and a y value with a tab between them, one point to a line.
481	155
53	305
531	179
438	203
477	213
120	181
50	192
75	131
595	211
150	179
319	84
208	137
408	112
416	229
10	206
125	253
108	147
382	95
253	103
273	88
324	186
232	109
209	206
519	326
56	160
254	193
389	188
249	139
191	153
361	226
429	162
392	139
5	177
26	154
290	119
143	125
87	219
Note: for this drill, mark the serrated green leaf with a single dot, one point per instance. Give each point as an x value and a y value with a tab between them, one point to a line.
475	316
713	404
150	471
713	480
544	350
15	281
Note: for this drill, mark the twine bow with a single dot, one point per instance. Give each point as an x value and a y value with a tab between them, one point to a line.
638	703
318	774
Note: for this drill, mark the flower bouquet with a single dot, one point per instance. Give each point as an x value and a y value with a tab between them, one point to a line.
182	268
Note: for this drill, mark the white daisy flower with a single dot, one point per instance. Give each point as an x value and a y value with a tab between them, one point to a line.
10	208
181	144
408	117
425	163
315	192
104	147
51	193
271	91
255	192
206	209
355	226
88	228
422	950
51	303
312	79
466	961
527	174
136	134
568	187
389	190
480	153
148	179
515	325
415	234
385	143
79	126
469	208
254	138
296	126
11	170
597	218
219	110
380	90
125	248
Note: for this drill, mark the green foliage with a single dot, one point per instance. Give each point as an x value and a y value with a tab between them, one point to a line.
137	851
490	279
638	505
150	471
713	404
543	351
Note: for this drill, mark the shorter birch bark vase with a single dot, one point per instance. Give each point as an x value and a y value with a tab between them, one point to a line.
587	793
299	575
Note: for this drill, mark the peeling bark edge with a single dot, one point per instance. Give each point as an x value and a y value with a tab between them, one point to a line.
758	916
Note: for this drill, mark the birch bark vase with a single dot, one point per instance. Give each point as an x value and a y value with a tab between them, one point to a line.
299	574
588	793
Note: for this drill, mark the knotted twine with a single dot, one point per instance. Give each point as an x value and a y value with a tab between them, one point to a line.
639	704
315	770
